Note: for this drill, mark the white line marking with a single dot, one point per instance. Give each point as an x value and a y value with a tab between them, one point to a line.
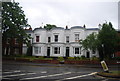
78	76
43	72
13	71
46	76
19	74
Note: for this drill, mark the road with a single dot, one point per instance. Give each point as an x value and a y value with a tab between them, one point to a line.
21	71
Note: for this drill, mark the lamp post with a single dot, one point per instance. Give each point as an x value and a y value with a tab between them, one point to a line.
103	48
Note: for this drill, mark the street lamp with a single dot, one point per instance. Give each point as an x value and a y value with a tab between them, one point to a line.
103	48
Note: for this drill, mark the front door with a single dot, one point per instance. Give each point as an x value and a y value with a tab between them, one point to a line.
67	51
48	51
88	54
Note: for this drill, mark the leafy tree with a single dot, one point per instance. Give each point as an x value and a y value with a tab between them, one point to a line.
13	23
49	26
109	40
90	42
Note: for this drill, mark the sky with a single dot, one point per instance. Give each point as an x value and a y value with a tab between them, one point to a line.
70	12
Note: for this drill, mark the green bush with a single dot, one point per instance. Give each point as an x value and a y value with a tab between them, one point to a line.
83	58
116	58
94	58
60	59
48	58
77	58
70	58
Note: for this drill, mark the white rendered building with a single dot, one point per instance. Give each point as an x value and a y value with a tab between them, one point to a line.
60	42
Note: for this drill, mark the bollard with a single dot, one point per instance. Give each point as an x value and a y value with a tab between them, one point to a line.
105	68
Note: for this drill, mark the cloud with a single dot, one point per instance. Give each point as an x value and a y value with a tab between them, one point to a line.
70	12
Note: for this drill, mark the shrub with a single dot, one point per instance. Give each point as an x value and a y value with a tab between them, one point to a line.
94	58
71	58
48	58
77	58
82	57
60	59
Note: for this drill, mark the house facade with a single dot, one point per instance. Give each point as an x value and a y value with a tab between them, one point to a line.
60	42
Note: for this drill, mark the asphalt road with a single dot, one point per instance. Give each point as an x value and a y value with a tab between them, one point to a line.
19	71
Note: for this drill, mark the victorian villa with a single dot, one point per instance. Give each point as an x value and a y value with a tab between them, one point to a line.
60	42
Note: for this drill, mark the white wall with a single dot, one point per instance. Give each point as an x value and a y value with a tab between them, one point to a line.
62	33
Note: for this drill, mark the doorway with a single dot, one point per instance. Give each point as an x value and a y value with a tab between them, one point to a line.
88	54
48	51
67	51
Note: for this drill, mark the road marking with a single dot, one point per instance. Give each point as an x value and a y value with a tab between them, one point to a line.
77	76
44	72
46	76
19	74
17	71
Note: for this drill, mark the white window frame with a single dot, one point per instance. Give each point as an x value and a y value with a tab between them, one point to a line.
36	38
67	39
57	51
77	35
37	50
49	39
75	50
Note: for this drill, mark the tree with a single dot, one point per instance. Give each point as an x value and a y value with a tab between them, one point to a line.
90	42
49	26
109	40
13	23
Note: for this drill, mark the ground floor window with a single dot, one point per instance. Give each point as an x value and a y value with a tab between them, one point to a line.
37	50
16	51
56	50
77	50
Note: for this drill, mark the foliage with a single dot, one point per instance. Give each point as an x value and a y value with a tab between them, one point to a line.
106	41
49	26
95	58
109	40
13	20
60	59
90	42
71	58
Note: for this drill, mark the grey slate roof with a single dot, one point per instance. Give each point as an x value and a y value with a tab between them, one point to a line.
92	28
76	27
57	28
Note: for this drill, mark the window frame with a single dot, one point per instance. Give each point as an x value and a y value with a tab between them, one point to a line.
49	39
67	39
56	50
38	50
77	37
37	38
56	38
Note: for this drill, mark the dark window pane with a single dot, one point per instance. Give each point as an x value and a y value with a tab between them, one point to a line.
56	38
37	38
76	50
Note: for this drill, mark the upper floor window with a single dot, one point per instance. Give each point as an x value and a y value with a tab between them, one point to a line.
8	40
56	50
67	39
49	39
76	37
29	35
16	41
37	38
56	38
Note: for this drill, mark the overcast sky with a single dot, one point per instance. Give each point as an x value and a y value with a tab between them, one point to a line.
70	12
